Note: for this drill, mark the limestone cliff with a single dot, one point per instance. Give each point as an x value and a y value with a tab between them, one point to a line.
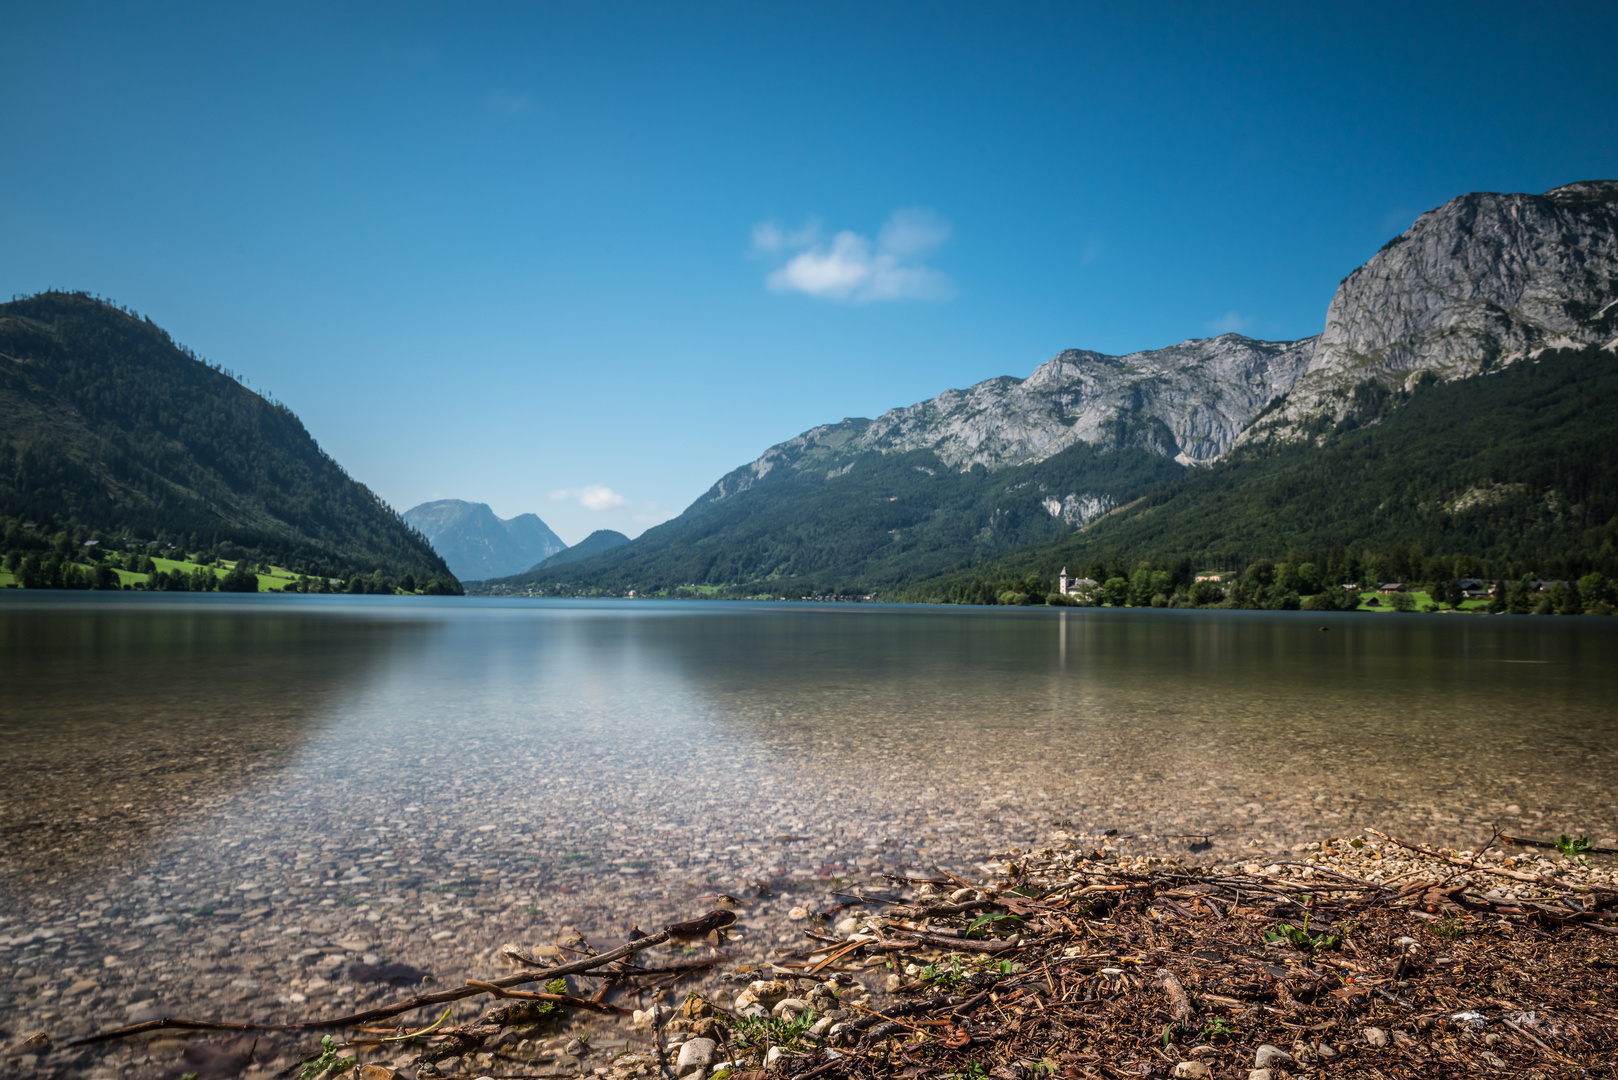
1479	283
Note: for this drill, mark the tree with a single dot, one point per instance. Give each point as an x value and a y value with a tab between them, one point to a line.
239	579
1115	591
1594	589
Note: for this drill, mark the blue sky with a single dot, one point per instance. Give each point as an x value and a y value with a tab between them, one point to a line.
583	259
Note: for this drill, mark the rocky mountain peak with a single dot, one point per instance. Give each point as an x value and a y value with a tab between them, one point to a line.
1476	284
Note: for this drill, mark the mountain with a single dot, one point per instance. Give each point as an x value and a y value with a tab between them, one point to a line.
1475	287
479	545
597	542
106	425
1472	287
1516	473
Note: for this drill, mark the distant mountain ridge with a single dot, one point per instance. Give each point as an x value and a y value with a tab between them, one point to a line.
1472	287
477	544
597	542
107	425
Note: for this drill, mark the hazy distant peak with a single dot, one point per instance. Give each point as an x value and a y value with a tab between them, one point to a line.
477	544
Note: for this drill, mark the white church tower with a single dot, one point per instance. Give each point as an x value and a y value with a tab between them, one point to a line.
1061	582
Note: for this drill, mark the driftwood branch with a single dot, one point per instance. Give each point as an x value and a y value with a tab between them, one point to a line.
1515	875
443	997
555	999
1525	842
1179	1003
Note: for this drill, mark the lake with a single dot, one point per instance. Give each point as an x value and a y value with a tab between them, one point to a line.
208	797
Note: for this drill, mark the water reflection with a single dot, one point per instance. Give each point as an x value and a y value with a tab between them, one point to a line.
122	718
200	787
1135	720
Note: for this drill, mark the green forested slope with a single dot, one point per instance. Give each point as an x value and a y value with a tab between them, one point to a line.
1515	471
107	426
884	519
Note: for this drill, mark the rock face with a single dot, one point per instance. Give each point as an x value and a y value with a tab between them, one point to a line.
1476	284
477	544
1481	282
1188	402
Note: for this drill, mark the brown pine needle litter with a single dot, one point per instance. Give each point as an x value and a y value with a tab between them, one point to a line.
1365	957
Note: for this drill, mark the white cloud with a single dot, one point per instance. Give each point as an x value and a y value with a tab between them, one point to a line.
1231	322
591	497
851	267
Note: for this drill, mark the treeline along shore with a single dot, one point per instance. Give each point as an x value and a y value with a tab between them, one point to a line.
36	557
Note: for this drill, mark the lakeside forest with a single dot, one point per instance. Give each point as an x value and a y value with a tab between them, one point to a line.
32	558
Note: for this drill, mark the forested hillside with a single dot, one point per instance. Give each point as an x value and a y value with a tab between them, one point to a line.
881	519
1501	475
108	428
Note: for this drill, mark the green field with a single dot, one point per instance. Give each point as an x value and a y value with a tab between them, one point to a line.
276	580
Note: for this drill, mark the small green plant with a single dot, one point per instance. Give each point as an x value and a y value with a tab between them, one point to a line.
328	1061
972	1071
545	1008
1299	937
1574	849
1217	1027
761	1032
206	909
951	978
349	901
1449	927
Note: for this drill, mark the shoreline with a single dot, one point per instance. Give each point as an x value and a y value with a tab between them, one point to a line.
1083	956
